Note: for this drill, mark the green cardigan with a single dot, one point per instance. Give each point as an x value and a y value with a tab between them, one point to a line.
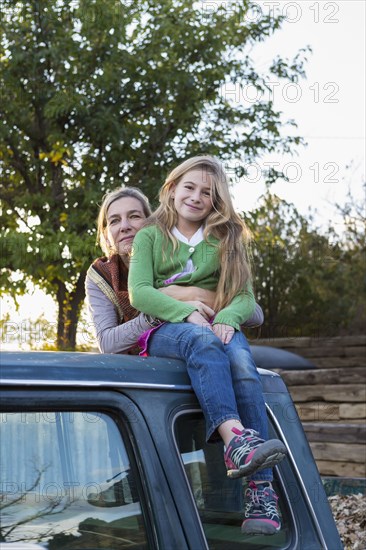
153	261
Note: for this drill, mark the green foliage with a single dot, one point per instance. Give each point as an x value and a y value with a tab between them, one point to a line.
97	94
354	259
308	284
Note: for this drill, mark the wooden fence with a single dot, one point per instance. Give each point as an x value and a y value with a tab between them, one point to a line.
330	400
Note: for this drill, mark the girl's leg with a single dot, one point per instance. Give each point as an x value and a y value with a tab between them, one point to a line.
248	392
207	366
209	369
247	385
261	515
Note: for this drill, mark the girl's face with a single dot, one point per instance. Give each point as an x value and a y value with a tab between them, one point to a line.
192	199
125	216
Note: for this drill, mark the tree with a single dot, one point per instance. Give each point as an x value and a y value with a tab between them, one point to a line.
97	94
353	239
300	278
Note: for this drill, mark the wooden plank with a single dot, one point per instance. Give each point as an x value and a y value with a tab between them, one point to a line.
284	343
336	351
324	376
348	410
338	393
343	341
329	412
323	352
355	350
336	432
337	362
316	342
318	412
350	422
357	340
341	469
339	452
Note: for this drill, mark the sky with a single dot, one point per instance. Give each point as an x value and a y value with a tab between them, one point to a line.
329	108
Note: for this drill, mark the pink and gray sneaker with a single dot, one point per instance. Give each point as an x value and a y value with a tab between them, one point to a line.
261	516
247	453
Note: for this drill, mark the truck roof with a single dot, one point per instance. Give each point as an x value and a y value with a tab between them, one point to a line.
52	368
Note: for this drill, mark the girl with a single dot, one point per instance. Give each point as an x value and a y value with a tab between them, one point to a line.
196	238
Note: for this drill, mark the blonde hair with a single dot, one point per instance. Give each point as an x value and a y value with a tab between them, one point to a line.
108	199
222	222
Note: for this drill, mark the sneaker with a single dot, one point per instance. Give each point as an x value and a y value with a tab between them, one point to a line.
261	515
247	453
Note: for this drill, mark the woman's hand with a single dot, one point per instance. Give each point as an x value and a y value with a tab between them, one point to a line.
202	309
202	315
190	293
197	319
223	332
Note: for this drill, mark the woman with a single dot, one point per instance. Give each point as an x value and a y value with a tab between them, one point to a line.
117	324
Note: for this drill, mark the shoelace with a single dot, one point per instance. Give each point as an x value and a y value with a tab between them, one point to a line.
260	499
237	454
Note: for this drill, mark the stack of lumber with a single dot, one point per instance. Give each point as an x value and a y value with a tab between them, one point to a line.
330	400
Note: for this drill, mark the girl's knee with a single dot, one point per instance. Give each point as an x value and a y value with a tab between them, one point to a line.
243	367
204	337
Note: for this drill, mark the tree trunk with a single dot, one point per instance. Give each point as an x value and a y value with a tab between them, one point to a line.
69	305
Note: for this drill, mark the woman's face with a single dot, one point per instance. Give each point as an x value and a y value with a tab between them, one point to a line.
125	216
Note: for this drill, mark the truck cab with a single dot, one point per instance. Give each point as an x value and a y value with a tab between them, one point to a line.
109	452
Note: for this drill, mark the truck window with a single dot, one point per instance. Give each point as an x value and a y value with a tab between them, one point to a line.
219	500
67	483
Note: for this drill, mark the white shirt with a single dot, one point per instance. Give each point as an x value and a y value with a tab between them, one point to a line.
194	241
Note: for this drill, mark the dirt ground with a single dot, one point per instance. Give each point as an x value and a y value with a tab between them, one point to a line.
350	515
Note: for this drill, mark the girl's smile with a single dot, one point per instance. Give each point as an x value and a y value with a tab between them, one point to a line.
192	207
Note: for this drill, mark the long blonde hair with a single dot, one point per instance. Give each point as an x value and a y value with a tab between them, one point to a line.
110	197
222	222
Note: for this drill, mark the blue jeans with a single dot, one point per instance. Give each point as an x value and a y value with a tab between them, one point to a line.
223	376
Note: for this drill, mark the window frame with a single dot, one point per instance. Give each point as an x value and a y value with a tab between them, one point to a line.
294	540
134	435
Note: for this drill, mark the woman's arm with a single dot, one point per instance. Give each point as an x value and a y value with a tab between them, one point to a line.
240	309
256	319
112	337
